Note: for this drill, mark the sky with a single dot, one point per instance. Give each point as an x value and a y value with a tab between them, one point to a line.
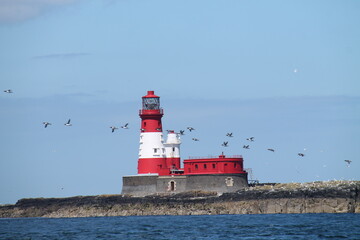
284	72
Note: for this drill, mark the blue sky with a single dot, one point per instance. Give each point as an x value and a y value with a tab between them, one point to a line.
285	72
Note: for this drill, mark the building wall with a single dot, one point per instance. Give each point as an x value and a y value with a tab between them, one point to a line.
140	185
146	185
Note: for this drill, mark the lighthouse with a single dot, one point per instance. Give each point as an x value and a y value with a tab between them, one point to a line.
152	154
159	163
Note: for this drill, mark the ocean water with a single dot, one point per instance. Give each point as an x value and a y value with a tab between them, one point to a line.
268	226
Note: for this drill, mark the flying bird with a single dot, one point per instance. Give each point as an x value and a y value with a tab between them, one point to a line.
348	162
46	124
182	132
113	128
271	150
190	128
125	126
225	144
195	139
301	154
68	123
246	146
8	91
229	134
251	139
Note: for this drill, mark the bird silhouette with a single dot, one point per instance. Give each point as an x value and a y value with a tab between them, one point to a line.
190	128
195	139
225	144
68	123
46	124
229	134
113	128
125	126
348	162
271	150
251	139
8	91
246	146
301	154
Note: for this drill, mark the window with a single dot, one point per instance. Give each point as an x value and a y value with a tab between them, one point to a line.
205	166
214	165
155	150
196	166
173	149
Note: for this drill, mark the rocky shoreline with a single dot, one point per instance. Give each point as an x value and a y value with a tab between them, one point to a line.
314	197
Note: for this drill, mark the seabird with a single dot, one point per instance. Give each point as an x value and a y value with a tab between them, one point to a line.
246	146
182	132
271	150
46	124
225	144
125	126
113	128
195	139
301	154
229	134
251	139
68	123
348	162
190	128
8	91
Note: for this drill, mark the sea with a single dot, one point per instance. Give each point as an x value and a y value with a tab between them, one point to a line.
262	226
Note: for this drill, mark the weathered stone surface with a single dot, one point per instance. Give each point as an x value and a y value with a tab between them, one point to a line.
316	197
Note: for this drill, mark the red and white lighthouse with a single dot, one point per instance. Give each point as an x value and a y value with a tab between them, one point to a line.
152	154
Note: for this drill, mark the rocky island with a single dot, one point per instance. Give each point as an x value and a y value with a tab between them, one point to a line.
313	197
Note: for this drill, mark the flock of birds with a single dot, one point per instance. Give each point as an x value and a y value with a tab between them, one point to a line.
181	132
230	135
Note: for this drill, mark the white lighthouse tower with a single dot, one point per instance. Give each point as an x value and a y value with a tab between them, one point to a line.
172	149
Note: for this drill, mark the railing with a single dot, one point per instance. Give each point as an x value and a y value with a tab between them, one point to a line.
151	111
214	157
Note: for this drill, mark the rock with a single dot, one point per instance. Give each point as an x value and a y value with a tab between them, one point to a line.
315	197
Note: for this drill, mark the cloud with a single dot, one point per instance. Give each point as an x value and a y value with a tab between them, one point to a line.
61	55
21	10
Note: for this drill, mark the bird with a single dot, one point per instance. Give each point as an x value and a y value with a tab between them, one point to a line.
225	144
182	132
46	124
301	154
271	150
125	126
8	91
68	123
190	128
246	146
251	139
348	162
195	139
113	128
229	134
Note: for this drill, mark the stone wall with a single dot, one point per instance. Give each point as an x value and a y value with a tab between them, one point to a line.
142	185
